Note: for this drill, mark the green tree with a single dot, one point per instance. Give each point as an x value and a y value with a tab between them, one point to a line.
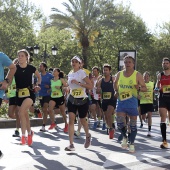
85	18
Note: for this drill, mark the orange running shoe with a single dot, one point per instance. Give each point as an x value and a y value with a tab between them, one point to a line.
52	126
30	142
111	133
66	128
23	140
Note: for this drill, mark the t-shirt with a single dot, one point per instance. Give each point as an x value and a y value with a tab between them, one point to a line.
76	90
23	76
5	61
45	80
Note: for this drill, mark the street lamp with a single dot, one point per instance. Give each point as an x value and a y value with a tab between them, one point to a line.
35	50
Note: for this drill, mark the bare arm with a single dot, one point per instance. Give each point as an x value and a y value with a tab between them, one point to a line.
140	83
115	85
9	77
64	83
37	74
88	84
158	81
98	85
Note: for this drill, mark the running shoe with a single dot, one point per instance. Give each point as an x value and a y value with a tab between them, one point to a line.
70	148
16	134
141	126
111	133
66	128
43	129
23	140
95	125
120	137
131	148
52	126
164	145
124	143
1	154
104	126
149	134
77	134
30	142
87	141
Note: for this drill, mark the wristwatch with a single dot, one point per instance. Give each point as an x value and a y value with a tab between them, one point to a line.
7	80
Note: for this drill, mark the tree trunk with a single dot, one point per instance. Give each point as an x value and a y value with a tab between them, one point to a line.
84	55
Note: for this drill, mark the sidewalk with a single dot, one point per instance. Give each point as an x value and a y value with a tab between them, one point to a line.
11	123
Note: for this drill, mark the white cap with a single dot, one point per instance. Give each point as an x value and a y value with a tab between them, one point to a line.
76	58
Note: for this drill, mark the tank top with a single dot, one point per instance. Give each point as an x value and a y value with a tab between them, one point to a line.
147	97
164	83
127	91
12	89
56	93
107	90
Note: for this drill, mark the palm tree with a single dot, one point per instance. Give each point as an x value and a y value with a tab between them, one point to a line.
85	18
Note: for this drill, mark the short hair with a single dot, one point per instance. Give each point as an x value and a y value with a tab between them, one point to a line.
44	65
50	69
128	56
146	72
107	66
165	59
95	67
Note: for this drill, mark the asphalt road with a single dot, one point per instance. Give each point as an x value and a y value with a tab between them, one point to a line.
47	151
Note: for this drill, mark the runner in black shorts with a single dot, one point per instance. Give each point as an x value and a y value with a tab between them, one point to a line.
108	100
163	84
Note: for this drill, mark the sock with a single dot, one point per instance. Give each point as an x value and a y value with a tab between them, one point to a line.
133	136
23	134
29	133
123	132
17	129
149	128
163	130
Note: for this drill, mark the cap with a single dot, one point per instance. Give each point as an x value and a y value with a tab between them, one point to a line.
76	58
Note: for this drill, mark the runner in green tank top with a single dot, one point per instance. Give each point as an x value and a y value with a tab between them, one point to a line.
57	98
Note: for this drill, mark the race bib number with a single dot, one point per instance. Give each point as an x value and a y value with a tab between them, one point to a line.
166	89
78	93
40	97
147	96
55	94
23	93
107	95
125	96
13	87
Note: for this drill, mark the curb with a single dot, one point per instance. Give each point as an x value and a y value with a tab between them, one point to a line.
34	122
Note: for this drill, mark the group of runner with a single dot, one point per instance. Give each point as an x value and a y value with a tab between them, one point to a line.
101	97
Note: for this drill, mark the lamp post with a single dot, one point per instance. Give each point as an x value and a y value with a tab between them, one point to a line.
35	50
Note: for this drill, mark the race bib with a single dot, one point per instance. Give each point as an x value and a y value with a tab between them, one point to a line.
40	97
23	93
55	94
147	96
166	89
125	95
13	87
78	93
107	95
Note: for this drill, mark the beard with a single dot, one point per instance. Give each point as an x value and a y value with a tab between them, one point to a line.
166	68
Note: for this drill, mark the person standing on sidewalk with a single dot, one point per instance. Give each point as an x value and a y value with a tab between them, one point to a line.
163	85
146	102
5	62
25	92
78	82
127	84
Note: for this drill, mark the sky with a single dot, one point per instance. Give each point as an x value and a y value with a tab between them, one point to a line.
152	12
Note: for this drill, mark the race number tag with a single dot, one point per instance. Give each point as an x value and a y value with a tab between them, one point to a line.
55	94
78	93
23	93
107	95
13	87
166	89
40	97
125	95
